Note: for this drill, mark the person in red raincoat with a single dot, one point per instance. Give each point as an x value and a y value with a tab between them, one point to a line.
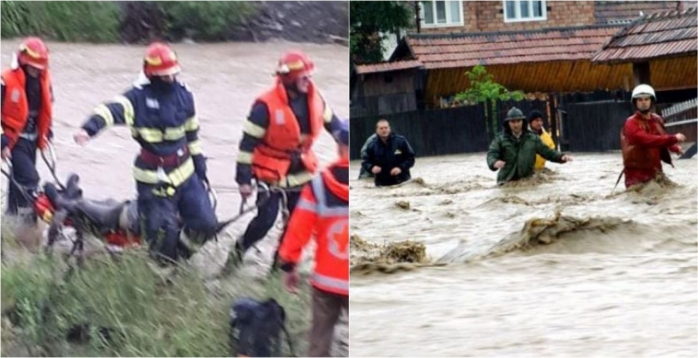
644	141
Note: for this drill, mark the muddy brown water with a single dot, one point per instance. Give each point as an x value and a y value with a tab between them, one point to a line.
554	267
225	79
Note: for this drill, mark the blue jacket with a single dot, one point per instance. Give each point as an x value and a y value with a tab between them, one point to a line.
163	122
395	152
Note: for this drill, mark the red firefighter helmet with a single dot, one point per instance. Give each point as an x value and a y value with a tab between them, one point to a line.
160	60
33	52
293	65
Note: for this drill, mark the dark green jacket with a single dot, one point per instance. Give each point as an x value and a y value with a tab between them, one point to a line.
519	155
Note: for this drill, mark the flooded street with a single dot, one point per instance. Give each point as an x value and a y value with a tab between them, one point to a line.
225	79
593	274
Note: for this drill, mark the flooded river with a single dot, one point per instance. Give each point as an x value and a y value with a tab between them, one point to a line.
555	267
225	79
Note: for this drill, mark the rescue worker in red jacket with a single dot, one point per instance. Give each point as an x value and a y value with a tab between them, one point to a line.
170	170
323	210
644	140
27	102
282	126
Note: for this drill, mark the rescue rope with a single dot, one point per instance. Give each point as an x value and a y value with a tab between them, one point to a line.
232	189
52	164
78	243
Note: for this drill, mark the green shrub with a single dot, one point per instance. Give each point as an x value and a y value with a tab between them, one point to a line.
94	21
205	20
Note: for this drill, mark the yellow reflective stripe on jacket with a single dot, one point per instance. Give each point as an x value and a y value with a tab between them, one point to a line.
103	111
195	147
153	135
244	158
253	129
294	180
175	177
128	109
191	124
327	115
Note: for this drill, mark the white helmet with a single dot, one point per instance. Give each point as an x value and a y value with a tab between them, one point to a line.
644	90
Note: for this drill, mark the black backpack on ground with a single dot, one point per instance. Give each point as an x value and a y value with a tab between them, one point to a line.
256	328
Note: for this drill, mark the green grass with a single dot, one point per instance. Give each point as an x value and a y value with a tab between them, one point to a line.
146	314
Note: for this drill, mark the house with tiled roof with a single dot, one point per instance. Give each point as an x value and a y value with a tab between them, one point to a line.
662	50
533	46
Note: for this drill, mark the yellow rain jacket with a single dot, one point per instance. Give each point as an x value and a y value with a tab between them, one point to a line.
548	141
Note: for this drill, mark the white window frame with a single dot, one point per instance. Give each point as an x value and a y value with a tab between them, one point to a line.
448	16
517	11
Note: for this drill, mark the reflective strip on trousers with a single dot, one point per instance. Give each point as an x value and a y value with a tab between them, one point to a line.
330	282
175	177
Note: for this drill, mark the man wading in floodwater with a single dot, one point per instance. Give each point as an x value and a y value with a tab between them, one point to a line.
644	141
389	157
513	151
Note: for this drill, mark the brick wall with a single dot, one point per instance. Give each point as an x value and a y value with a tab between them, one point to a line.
687	4
607	11
489	16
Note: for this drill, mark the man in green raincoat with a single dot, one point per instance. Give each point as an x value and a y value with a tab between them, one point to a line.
513	151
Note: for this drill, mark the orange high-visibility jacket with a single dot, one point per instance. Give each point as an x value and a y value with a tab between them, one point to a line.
323	209
15	109
271	159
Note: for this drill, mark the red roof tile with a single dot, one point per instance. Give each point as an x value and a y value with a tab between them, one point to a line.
387	66
470	49
651	36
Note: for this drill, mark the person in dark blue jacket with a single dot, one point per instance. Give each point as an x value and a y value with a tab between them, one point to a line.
389	157
170	170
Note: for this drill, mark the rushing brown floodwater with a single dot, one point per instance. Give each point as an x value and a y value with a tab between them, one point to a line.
618	278
225	79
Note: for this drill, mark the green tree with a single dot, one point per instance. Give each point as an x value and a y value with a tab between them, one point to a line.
369	19
483	88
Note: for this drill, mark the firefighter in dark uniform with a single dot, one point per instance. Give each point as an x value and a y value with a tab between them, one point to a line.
27	102
276	145
170	170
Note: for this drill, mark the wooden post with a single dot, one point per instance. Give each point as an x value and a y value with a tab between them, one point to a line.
641	73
